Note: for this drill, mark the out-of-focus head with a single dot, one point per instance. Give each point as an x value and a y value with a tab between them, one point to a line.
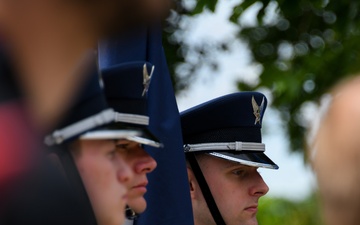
89	117
106	177
102	15
94	150
49	38
334	150
117	15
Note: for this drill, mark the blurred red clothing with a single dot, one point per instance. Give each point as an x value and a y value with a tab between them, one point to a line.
17	141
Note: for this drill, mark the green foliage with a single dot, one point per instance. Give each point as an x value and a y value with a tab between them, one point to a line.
201	4
275	211
310	46
325	45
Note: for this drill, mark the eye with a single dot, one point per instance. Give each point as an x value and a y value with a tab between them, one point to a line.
122	145
127	145
239	172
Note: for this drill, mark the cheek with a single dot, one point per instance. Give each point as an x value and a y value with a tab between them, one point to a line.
104	190
229	193
97	172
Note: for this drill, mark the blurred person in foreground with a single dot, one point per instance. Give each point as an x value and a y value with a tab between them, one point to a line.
222	143
49	42
46	49
334	151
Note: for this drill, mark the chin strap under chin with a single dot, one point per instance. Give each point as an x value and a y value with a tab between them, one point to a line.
205	190
131	214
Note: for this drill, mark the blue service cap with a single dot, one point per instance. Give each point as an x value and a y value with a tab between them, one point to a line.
228	127
89	114
125	87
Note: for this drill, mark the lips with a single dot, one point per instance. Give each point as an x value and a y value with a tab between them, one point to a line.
140	185
252	208
139	189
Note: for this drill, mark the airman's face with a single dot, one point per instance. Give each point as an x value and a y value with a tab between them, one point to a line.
236	190
141	163
106	177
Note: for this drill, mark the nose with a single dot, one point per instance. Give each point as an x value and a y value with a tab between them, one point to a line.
144	162
259	187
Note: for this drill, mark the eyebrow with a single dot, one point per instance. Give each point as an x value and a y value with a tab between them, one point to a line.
233	164
126	142
121	141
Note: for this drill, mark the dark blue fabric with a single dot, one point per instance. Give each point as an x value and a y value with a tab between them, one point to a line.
125	48
168	194
90	99
123	86
225	119
235	117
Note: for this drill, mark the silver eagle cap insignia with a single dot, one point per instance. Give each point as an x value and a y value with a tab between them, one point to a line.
258	110
147	78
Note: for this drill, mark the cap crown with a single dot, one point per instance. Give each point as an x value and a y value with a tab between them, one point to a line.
88	111
125	87
234	117
89	101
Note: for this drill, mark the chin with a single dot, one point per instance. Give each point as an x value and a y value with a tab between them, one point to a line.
253	222
138	204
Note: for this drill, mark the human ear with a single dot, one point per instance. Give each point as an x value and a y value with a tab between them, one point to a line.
192	182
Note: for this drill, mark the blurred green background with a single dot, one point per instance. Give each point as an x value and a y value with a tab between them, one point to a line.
302	48
276	211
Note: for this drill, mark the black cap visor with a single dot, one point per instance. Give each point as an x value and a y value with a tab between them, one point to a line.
255	159
116	131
